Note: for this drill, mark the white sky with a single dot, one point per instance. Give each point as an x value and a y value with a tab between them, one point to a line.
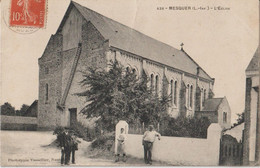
221	42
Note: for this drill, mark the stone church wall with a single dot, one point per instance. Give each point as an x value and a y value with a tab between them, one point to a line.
50	66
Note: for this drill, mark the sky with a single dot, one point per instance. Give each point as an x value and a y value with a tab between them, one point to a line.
222	42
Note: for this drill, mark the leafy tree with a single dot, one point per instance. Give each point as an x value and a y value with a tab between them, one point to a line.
118	94
23	110
185	127
240	119
7	109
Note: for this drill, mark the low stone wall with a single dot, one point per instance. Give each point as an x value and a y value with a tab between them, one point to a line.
180	150
18	123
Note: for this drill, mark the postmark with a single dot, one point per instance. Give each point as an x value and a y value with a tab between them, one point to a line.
28	13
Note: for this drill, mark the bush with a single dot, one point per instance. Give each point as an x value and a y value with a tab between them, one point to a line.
104	141
58	130
84	132
185	127
81	131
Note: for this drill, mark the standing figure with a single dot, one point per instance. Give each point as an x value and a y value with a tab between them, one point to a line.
148	139
66	143
121	145
28	15
74	147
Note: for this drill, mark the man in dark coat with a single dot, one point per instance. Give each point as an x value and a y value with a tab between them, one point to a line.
74	146
66	144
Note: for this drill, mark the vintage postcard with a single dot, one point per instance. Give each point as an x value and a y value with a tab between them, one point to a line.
130	83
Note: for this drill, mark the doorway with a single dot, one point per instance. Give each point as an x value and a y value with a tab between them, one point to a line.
73	116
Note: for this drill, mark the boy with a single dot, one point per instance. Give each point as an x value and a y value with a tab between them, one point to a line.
121	145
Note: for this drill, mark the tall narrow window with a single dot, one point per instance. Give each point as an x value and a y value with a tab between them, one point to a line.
191	96
187	95
204	97
175	93
224	117
171	92
46	93
46	70
156	84
152	81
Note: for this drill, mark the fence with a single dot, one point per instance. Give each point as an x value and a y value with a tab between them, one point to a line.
180	150
18	123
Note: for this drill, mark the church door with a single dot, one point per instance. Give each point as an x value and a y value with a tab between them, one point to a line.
73	116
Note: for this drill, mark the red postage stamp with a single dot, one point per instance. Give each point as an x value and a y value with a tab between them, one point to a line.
28	13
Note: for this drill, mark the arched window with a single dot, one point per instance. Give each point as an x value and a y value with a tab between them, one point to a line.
152	79
191	96
171	91
204	97
156	84
187	95
175	93
46	93
224	117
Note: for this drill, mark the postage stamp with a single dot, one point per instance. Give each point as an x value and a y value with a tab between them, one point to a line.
28	13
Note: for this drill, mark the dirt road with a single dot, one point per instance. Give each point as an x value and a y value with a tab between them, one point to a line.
30	148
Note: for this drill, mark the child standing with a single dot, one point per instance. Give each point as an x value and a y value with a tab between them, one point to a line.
121	146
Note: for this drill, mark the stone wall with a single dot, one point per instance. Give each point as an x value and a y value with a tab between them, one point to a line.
50	66
93	54
18	123
179	150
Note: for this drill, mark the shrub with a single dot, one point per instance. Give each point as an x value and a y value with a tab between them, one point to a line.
104	141
85	132
185	127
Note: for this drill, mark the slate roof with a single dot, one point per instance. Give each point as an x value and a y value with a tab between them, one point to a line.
254	63
130	40
212	104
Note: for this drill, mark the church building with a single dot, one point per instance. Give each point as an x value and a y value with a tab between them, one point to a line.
86	38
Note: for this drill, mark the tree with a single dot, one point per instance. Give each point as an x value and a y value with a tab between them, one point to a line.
240	119
118	94
8	109
23	110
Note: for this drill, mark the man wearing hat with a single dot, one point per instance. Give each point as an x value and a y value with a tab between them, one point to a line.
66	143
148	139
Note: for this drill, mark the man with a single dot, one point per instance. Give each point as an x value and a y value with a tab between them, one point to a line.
148	139
66	143
74	146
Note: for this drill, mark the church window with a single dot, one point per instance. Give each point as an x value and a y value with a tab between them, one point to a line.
175	93
191	96
171	91
152	79
46	70
46	93
187	95
156	84
224	117
203	96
